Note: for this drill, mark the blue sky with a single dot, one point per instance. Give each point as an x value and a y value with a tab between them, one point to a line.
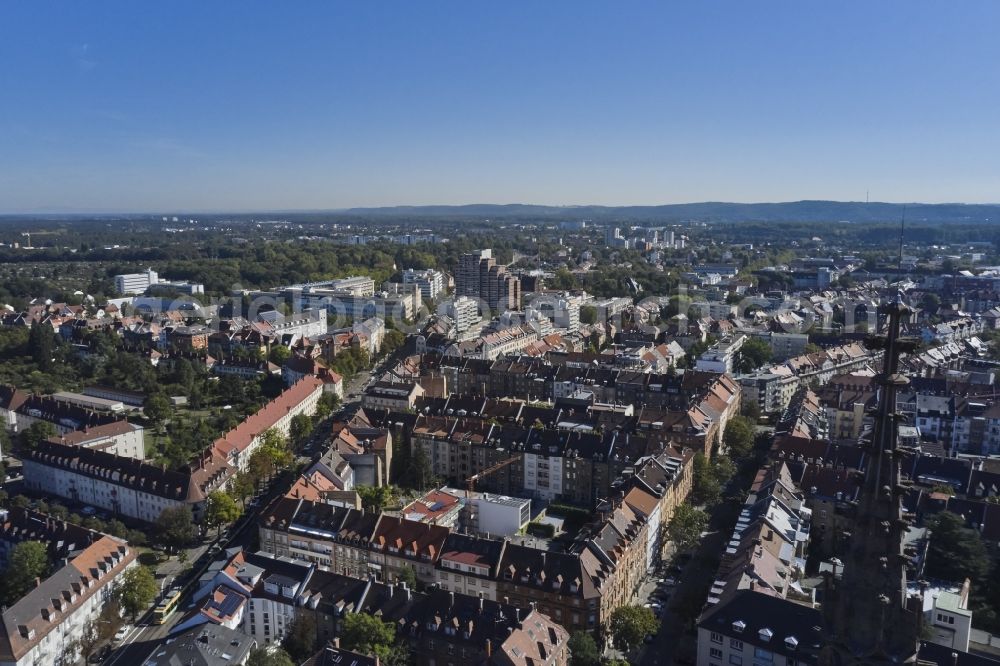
242	106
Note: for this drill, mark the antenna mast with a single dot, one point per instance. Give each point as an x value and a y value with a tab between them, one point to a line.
902	227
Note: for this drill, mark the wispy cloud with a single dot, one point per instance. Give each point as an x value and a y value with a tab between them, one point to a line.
85	61
165	145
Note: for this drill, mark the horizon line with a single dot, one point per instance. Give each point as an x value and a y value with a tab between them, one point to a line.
82	212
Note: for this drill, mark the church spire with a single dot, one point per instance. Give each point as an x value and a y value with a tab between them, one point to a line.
870	617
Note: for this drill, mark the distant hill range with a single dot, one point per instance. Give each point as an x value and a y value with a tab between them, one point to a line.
792	211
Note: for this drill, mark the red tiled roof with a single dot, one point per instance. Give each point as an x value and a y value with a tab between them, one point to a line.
240	437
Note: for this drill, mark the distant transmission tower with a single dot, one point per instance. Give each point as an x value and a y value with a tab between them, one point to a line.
902	228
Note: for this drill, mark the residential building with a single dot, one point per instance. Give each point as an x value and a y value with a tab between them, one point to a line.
437	507
470	565
756	628
463	311
432	283
135	283
563	310
120	438
125	487
392	395
238	445
19	409
479	276
368	451
334	655
399	544
722	356
46	624
334	538
89	402
948	617
498	515
207	645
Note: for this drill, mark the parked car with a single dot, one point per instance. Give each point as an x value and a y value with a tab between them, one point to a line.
122	632
100	655
88	511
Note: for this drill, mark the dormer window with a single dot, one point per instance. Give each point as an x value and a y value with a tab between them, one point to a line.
765	634
739	626
791	642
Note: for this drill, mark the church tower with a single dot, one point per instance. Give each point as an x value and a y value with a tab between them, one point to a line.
870	617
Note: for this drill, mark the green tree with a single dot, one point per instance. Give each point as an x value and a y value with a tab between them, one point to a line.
723	468
175	527
220	509
275	446
88	640
136	590
368	634
300	637
563	280
375	498
157	408
328	402
588	314
583	649
28	560
955	552
739	437
686	526
41	345
280	354
241	487
116	528
260	467
392	341
58	511
409	576
35	434
705	485
629	625
136	538
751	410
94	523
300	429
753	354
20	502
264	656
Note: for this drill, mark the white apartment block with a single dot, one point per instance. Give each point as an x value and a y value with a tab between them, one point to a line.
543	475
136	283
430	281
464	311
120	486
562	311
722	356
120	438
500	515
